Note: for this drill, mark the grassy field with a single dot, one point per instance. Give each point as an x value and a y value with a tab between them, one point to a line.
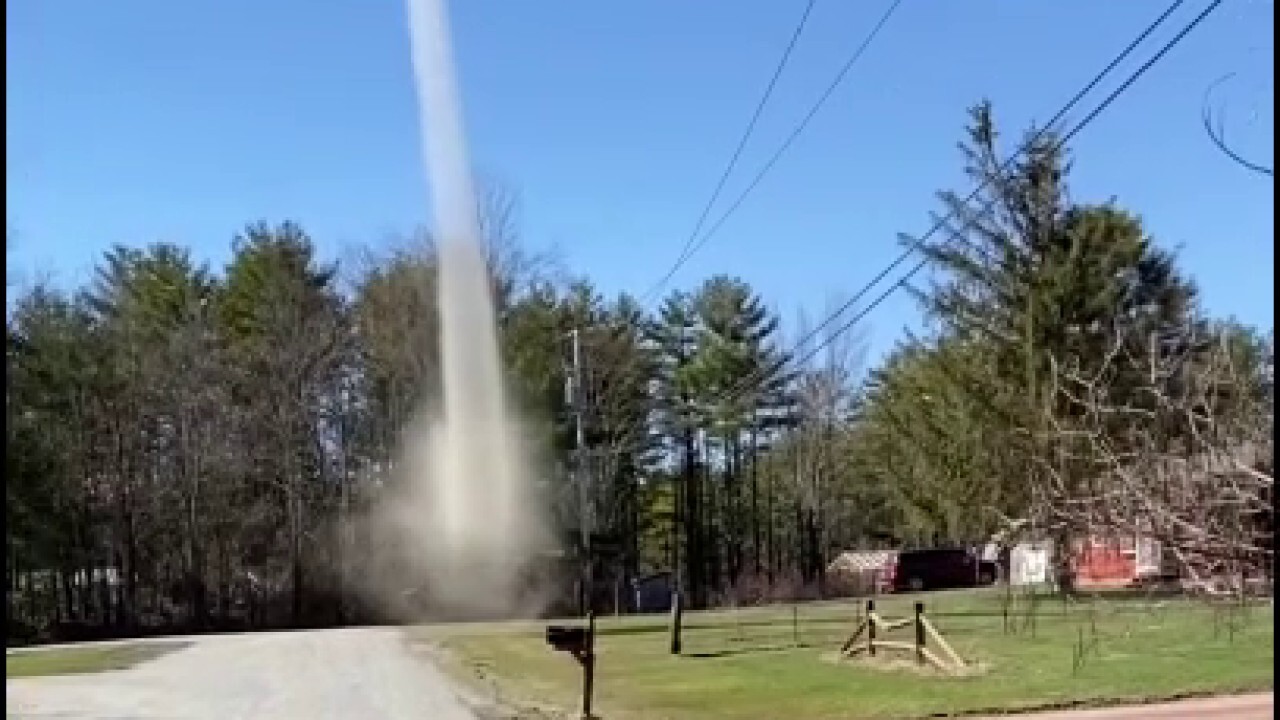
83	659
779	663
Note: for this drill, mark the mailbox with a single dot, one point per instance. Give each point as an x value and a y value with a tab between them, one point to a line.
566	638
578	641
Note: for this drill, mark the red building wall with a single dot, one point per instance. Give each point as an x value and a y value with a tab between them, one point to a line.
1104	563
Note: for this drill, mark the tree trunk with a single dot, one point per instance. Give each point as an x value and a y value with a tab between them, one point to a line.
712	533
68	593
813	550
195	584
11	581
33	607
770	539
112	597
297	601
800	536
344	530
755	504
129	603
728	509
295	552
693	560
85	554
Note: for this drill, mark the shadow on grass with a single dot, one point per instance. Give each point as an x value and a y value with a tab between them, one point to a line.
751	650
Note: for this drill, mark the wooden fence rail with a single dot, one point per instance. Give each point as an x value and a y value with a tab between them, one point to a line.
865	639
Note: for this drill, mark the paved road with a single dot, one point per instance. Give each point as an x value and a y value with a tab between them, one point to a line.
1240	707
317	675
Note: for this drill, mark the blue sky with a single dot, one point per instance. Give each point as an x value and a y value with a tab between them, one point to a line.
144	120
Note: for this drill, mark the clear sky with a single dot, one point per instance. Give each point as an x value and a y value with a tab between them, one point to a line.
144	120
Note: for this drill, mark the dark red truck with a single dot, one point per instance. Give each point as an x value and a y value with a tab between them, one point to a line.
938	569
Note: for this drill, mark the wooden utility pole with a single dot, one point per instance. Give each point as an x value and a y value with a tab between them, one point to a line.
577	403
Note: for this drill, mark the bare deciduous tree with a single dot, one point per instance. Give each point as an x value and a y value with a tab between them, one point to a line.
1169	439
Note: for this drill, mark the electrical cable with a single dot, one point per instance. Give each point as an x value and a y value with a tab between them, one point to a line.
742	144
1035	137
692	247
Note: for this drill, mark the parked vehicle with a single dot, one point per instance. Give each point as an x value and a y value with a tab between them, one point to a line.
939	568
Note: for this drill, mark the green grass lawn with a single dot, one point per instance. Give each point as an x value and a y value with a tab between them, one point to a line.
84	659
748	664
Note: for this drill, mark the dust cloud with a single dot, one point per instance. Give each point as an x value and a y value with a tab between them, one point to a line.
463	522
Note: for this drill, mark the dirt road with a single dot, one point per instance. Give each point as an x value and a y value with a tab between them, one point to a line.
317	675
1240	707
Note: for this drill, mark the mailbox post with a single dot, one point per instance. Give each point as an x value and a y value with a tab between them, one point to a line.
579	642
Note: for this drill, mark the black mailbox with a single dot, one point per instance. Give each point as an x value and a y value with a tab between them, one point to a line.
578	641
567	638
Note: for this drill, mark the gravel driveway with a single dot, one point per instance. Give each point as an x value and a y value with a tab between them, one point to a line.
354	674
347	674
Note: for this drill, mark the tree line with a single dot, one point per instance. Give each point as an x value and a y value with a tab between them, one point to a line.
188	446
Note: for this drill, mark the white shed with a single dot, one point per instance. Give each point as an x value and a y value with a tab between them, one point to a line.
1030	563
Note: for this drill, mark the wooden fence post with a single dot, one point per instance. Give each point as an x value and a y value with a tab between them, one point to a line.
919	633
677	610
589	666
871	628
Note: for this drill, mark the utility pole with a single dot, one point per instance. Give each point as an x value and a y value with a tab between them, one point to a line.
577	402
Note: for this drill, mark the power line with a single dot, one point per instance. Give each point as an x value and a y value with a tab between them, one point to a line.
1218	135
1075	99
691	247
732	163
742	144
915	245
